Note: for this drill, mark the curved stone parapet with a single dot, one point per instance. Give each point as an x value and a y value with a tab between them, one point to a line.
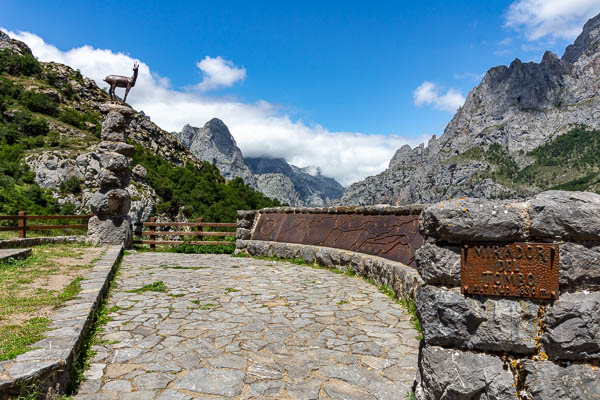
402	279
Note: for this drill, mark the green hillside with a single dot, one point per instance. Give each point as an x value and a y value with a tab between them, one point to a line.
34	99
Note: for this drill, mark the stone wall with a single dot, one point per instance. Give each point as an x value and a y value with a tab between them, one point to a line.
495	347
383	231
375	242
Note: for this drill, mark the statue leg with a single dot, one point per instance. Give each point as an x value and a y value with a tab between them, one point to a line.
126	93
111	92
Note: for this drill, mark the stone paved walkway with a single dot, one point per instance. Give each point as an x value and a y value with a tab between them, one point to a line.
240	328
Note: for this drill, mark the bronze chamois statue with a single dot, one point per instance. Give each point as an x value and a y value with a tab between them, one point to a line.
116	81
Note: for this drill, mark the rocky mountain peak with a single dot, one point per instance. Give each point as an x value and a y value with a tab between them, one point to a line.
489	143
587	40
16	45
214	143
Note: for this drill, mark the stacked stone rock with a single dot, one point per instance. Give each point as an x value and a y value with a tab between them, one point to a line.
110	205
485	347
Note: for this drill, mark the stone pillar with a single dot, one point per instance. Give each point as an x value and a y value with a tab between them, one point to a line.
495	347
110	205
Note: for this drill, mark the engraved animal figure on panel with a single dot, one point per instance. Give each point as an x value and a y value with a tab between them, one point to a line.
116	81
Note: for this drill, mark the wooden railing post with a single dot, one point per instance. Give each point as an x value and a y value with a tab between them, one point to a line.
152	229
22	225
200	229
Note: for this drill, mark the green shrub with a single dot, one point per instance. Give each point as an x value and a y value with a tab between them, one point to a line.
202	191
39	102
30	125
13	63
10	89
71	185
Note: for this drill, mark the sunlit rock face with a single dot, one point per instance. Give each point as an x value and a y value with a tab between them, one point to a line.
514	110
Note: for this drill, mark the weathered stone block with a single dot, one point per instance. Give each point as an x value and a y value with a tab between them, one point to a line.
579	267
116	147
112	203
114	162
113	180
244	223
457	221
327	257
246	214
242	233
113	127
115	230
548	381
565	215
461	375
308	254
283	250
573	326
241	244
451	319
439	265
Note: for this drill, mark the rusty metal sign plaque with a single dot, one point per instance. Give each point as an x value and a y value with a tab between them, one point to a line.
510	270
395	237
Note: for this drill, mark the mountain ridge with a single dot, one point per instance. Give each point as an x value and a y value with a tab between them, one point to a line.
272	176
513	111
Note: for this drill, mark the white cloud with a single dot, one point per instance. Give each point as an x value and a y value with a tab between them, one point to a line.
556	19
505	42
260	129
429	94
218	73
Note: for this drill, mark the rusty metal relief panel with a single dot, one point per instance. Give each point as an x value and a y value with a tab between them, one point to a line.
395	237
516	269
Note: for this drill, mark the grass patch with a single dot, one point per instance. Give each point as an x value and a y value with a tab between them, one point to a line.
71	290
16	339
20	299
341	302
206	306
158	286
231	290
176	294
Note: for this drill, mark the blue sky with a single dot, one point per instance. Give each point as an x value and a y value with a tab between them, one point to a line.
393	72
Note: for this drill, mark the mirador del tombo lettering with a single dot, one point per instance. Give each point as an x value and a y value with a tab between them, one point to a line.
517	269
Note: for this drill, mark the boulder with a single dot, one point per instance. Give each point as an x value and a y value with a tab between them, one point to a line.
115	202
476	323
565	215
549	381
113	230
573	327
439	265
579	267
457	221
462	375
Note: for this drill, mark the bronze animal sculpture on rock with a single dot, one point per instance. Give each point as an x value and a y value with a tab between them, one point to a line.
116	81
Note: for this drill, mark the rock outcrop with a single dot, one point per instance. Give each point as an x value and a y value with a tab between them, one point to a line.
110	205
513	111
274	177
309	187
214	143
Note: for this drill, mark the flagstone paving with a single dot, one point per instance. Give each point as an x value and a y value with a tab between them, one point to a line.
229	327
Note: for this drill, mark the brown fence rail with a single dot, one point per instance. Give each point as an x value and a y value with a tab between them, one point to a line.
22	226
200	234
